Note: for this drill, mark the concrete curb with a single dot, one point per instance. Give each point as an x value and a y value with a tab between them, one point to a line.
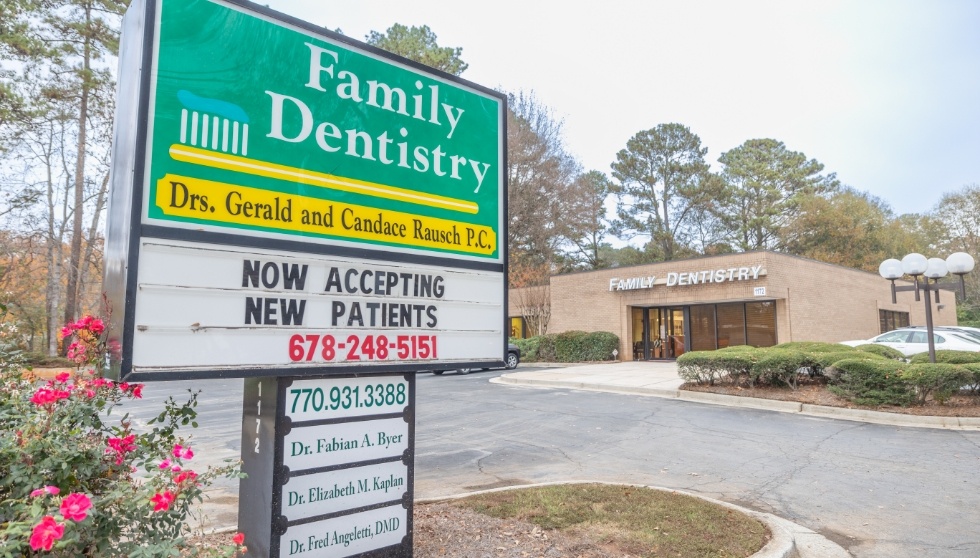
858	415
789	540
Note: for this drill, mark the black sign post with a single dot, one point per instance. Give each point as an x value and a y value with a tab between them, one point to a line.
339	451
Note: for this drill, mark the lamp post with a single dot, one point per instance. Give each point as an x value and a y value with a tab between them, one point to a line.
959	263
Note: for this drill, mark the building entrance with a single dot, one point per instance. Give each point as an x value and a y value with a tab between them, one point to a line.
659	333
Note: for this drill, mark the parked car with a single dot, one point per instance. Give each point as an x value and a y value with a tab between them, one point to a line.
971	332
914	340
513	359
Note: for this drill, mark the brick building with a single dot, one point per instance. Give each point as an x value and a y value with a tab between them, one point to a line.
662	310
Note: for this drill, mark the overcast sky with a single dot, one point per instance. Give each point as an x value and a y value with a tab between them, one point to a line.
885	93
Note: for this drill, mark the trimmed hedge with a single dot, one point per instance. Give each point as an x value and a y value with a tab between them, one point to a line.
813	347
974	369
599	345
823	363
711	366
948	357
779	367
868	375
940	380
700	367
546	349
529	347
873	382
568	346
882	350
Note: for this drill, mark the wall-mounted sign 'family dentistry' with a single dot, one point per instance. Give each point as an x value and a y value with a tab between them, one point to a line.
684	278
241	130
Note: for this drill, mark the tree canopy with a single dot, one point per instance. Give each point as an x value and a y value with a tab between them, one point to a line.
850	228
419	44
663	180
764	183
587	220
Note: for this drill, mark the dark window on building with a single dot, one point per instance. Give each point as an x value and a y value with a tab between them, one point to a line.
889	320
760	322
703	328
731	325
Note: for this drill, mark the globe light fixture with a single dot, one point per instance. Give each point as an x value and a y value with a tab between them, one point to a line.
914	264
891	269
917	265
936	268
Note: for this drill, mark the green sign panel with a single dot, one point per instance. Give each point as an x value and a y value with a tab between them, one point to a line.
262	128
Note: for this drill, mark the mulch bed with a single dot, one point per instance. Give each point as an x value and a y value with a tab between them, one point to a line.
446	531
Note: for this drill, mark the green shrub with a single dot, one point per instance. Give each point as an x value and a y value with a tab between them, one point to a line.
77	481
737	348
568	346
546	348
699	367
974	369
940	380
778	367
882	350
948	357
737	363
813	346
712	366
823	363
529	347
599	345
869	381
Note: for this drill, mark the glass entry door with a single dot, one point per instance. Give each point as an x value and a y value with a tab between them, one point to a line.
658	333
674	329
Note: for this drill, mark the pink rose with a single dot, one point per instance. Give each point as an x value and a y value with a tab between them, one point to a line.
63	377
121	446
161	502
52	490
45	533
182	452
46	396
75	506
165	464
186	475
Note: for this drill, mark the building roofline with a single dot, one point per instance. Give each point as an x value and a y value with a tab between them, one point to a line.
750	252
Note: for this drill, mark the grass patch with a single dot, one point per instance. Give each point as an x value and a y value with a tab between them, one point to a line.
636	520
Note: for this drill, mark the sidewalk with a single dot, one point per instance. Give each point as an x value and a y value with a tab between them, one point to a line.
660	379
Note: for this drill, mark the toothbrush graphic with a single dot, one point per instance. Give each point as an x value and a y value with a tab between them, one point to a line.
214	133
206	122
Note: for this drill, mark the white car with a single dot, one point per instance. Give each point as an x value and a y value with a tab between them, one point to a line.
911	341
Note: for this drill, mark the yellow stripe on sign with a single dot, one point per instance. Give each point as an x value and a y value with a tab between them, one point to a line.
218	202
236	163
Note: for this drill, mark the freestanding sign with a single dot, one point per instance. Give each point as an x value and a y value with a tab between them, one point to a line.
324	219
287	199
330	462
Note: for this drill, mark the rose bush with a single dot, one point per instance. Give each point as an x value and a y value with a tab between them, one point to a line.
75	483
